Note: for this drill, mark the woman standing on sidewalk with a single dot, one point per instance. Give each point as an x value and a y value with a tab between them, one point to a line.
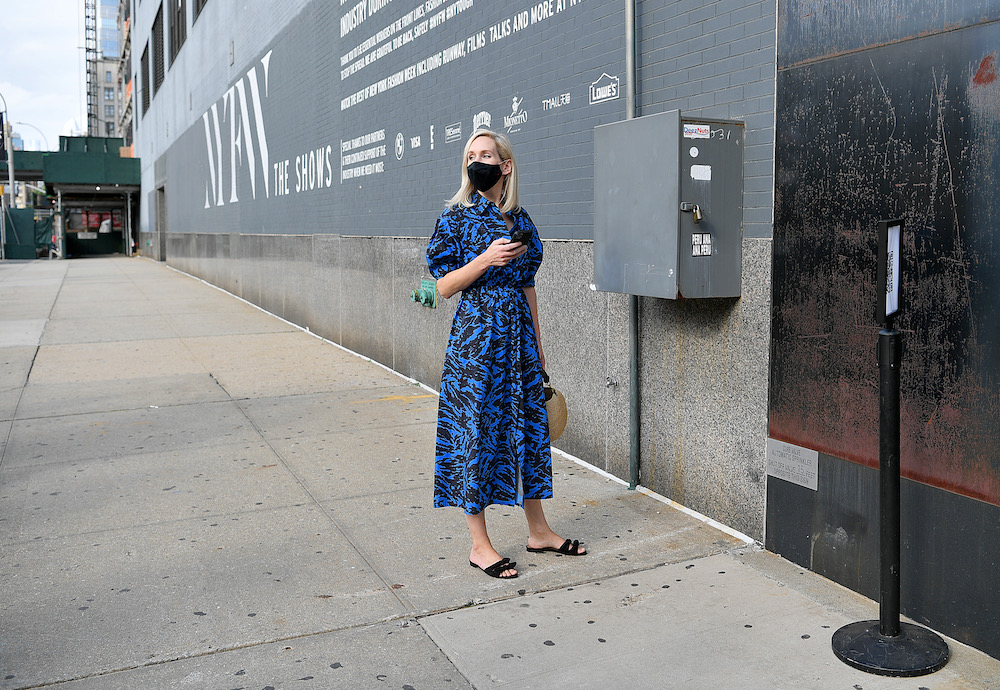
492	436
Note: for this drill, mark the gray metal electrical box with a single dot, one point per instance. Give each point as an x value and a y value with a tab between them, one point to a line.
668	206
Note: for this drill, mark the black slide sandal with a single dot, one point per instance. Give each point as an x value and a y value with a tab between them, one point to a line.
497	568
568	548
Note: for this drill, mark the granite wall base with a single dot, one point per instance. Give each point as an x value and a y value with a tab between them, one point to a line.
703	363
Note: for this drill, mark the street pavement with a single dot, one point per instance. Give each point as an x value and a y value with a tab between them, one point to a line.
197	494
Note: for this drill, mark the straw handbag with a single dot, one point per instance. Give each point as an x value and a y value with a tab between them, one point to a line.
555	407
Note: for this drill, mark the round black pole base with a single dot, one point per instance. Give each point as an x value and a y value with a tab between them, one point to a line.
916	651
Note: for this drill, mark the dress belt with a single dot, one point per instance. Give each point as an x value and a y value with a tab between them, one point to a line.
472	290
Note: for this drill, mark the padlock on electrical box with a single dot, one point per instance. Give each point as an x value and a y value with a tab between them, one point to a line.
694	210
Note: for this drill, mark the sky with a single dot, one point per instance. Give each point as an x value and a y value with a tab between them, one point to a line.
42	68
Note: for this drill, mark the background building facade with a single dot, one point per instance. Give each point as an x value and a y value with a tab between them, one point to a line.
102	46
126	81
108	102
298	154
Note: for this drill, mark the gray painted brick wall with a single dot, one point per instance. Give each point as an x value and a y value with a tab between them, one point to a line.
717	60
302	110
713	59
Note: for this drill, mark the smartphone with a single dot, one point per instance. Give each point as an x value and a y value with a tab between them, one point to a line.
521	235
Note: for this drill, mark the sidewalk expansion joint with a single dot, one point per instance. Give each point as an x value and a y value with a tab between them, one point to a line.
222	650
413	616
27	376
522	593
124	409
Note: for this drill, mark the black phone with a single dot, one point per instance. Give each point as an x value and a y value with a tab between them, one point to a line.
521	235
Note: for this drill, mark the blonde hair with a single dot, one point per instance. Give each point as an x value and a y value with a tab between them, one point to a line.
466	194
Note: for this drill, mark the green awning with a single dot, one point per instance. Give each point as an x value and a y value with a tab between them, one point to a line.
80	161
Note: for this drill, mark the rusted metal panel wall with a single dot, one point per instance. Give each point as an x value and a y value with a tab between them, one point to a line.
813	29
890	109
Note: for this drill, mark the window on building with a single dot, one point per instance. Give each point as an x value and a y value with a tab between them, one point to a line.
109	93
145	79
109	43
109	50
158	50
178	27
198	6
109	129
107	76
109	111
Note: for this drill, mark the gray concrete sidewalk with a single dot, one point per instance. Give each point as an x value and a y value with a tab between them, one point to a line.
194	493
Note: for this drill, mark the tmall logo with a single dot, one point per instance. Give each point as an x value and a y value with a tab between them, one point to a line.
237	110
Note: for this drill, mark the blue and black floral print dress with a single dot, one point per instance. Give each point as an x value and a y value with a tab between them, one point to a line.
492	434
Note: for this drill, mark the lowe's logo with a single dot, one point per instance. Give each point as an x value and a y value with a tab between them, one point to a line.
247	140
604	89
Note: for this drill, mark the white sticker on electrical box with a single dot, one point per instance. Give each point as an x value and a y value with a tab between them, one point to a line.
701	172
694	131
792	463
701	244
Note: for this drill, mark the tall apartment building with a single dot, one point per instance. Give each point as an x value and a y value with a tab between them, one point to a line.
103	83
107	88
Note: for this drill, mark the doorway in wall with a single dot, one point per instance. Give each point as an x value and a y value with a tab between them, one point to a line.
161	223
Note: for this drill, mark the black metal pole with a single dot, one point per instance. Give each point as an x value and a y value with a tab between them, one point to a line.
888	452
886	646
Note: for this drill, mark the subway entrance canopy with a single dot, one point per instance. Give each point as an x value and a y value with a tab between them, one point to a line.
93	189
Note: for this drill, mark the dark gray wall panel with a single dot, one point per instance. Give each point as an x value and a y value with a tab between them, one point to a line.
813	29
948	562
716	60
898	129
909	131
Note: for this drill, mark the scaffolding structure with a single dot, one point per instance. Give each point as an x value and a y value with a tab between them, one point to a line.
90	48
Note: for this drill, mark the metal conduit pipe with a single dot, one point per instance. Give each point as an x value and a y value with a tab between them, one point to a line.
633	300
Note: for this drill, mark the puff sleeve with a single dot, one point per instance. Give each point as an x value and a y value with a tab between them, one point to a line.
444	253
532	259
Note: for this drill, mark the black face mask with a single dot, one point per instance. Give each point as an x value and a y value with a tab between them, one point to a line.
483	175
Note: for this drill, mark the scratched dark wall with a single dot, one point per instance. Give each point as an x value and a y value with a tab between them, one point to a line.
887	109
812	29
906	130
